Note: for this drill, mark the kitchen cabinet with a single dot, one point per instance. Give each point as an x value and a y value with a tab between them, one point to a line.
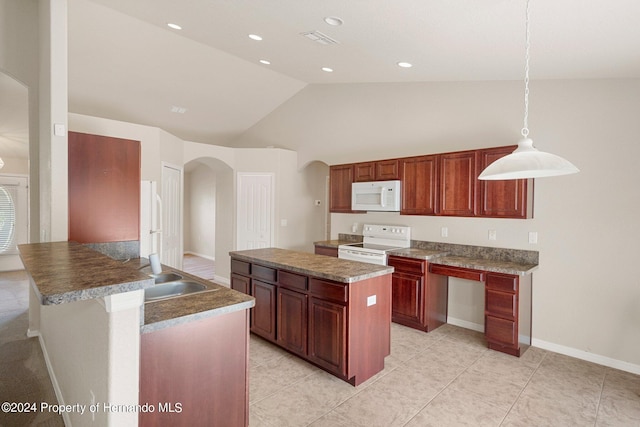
104	189
419	185
263	314
419	299
343	328
324	250
241	283
327	335
292	306
340	180
458	182
502	312
504	198
382	170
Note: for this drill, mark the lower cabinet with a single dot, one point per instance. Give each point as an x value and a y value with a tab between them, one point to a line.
263	316
327	335
419	299
324	250
292	320
336	326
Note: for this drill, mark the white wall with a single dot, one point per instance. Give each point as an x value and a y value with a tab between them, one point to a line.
200	211
586	292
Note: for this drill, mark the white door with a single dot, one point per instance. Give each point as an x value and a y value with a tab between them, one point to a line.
255	211
171	211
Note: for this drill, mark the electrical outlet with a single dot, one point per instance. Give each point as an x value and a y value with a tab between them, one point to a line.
493	235
444	232
533	237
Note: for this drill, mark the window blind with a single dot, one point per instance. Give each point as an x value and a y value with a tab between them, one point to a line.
8	196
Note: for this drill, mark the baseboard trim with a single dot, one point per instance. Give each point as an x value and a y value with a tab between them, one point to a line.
54	380
466	324
585	355
222	280
210	258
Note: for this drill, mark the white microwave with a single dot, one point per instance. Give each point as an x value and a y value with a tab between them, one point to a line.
376	196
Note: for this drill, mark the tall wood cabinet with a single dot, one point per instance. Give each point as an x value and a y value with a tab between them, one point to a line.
104	188
458	184
340	177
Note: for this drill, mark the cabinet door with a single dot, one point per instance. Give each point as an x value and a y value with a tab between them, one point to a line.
501	331
387	170
263	314
458	183
419	180
511	198
407	298
340	180
328	335
364	172
292	320
240	283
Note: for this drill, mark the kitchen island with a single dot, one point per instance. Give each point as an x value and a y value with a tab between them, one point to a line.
136	363
331	312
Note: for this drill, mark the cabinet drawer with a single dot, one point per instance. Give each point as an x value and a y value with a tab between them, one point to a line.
501	304
462	273
241	267
292	280
265	273
502	282
328	290
501	331
407	265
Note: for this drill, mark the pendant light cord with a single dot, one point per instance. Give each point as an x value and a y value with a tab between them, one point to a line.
525	129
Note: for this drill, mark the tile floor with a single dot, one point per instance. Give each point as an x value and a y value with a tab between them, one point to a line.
445	378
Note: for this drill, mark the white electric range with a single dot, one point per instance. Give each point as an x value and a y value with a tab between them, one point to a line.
377	241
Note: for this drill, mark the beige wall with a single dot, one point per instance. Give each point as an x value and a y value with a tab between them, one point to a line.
586	292
200	211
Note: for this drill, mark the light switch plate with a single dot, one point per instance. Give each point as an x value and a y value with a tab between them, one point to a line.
58	129
371	300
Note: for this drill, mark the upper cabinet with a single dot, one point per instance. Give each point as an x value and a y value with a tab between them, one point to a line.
505	198
383	170
419	178
458	183
440	184
341	178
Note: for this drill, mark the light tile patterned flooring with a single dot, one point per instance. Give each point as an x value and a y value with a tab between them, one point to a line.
444	378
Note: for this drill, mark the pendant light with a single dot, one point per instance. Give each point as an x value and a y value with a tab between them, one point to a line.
526	161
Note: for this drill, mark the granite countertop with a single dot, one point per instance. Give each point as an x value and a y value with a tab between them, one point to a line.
216	300
67	271
324	267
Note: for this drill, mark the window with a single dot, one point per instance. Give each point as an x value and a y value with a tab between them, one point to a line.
13	213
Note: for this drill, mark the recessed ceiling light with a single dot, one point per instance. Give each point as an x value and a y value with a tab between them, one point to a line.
255	37
174	26
327	69
265	62
333	20
404	65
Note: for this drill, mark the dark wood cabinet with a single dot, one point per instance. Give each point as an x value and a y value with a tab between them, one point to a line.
104	189
324	250
505	198
502	312
241	283
419	299
419	185
292	320
382	170
344	328
458	182
327	335
340	180
263	314
202	365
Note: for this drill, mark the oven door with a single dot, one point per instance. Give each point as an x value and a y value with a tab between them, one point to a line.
356	255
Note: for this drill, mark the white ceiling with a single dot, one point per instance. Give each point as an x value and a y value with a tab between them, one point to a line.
126	64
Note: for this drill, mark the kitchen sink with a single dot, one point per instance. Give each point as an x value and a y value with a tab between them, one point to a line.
166	277
173	289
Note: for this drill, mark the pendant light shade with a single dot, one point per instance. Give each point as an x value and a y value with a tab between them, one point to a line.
526	161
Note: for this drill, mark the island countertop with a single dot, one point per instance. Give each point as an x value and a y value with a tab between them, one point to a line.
67	271
324	267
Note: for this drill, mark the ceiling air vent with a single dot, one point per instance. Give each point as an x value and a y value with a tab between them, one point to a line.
319	37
